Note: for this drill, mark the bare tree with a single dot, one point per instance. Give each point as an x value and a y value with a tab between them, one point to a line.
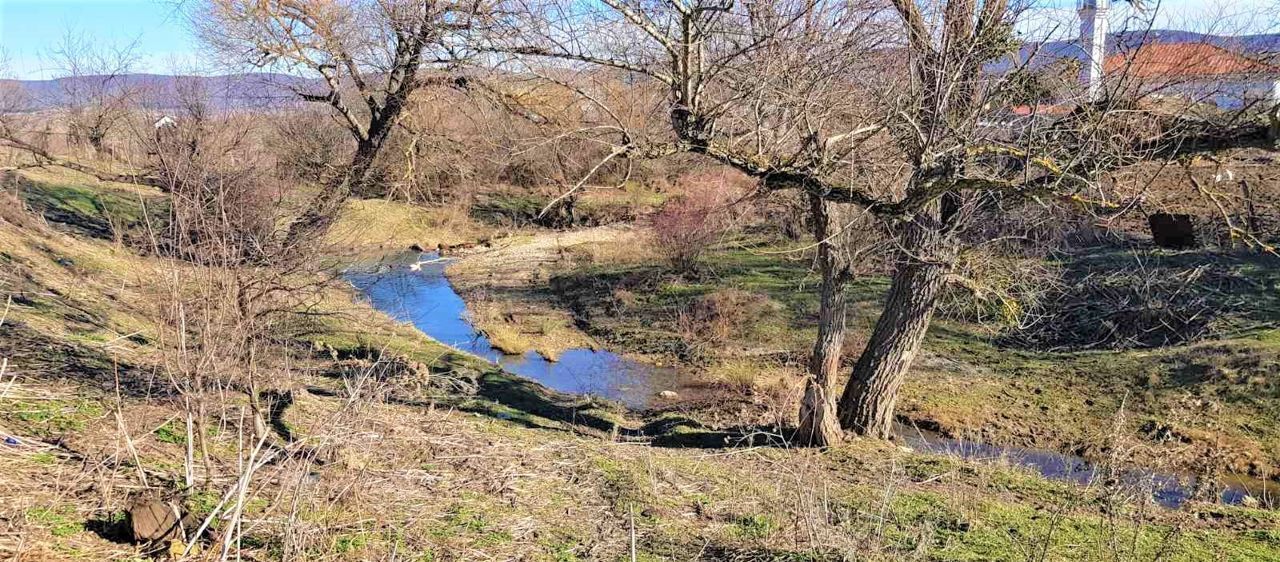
367	58
95	105
902	113
766	88
14	99
94	87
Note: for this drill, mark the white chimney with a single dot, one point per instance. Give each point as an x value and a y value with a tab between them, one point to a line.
1093	39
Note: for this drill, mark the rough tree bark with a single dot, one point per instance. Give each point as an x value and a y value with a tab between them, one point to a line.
819	426
323	210
866	407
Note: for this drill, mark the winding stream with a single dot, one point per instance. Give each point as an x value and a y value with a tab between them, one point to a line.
424	297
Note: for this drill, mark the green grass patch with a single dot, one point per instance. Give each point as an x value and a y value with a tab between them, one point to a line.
43	458
172	432
61	521
756	526
464	520
51	418
100	211
202	502
350	543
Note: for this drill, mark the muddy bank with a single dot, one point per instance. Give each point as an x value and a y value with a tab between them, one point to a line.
506	285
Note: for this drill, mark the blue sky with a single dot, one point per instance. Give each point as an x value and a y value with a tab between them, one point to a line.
29	28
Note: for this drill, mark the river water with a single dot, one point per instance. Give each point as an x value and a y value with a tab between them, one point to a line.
1168	490
425	298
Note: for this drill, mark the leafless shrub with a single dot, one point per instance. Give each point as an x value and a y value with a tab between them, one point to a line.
707	324
230	295
223	207
684	230
999	289
308	146
687	226
1142	303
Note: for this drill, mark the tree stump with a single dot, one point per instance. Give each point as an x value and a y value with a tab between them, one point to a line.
1172	231
154	520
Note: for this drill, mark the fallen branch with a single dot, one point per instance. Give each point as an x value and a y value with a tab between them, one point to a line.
46	156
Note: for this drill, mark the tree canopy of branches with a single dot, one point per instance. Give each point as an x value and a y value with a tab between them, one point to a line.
95	89
367	58
896	109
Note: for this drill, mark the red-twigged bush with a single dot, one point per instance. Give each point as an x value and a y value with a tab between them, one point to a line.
686	226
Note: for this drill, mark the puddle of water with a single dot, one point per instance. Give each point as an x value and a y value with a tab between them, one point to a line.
1168	490
426	299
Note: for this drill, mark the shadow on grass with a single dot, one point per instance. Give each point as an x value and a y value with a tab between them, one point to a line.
516	400
97	212
683	432
48	360
524	396
722	553
113	527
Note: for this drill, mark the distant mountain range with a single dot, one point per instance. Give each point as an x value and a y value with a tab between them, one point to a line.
259	90
161	92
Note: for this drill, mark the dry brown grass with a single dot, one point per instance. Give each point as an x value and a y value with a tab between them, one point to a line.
722	315
86	291
370	225
408	481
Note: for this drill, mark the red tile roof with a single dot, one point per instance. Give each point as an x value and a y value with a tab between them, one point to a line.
1167	60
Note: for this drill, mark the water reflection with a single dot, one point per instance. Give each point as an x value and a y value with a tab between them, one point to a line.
425	298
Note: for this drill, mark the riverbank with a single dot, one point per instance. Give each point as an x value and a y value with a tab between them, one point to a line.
965	385
386	444
413	287
506	286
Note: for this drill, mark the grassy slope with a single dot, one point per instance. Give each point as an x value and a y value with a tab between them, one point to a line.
375	225
473	479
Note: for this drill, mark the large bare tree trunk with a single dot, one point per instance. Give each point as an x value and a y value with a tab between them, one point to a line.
326	206
866	407
819	426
